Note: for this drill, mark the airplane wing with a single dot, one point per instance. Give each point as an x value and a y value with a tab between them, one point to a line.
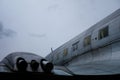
25	62
21	65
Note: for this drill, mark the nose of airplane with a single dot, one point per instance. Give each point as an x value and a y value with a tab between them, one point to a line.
46	66
21	64
34	65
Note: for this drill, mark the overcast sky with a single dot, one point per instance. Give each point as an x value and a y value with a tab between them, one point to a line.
38	25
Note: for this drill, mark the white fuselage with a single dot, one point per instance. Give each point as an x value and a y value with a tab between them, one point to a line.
100	43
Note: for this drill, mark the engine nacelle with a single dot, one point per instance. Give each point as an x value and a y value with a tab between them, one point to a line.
26	62
34	65
46	66
21	64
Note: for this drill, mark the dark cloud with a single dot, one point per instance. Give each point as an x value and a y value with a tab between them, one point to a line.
6	32
37	35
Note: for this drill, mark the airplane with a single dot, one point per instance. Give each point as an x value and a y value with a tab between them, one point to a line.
96	51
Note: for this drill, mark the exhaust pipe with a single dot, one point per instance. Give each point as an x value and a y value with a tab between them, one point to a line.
46	66
34	65
21	64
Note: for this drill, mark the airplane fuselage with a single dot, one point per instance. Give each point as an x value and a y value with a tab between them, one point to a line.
98	44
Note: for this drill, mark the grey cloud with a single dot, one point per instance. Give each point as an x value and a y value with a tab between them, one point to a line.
6	32
53	7
1	27
37	35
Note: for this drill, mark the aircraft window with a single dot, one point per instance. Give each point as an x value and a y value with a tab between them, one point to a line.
75	46
65	52
103	33
87	40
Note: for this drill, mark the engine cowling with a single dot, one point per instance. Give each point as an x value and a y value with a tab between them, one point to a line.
46	66
21	64
34	65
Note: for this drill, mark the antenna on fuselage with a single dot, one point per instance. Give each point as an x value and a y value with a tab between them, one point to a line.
51	50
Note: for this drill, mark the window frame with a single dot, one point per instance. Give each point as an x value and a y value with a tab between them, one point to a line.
103	33
65	51
87	40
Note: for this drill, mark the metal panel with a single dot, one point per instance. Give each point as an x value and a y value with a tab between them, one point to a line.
94	39
83	59
116	51
115	29
102	54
